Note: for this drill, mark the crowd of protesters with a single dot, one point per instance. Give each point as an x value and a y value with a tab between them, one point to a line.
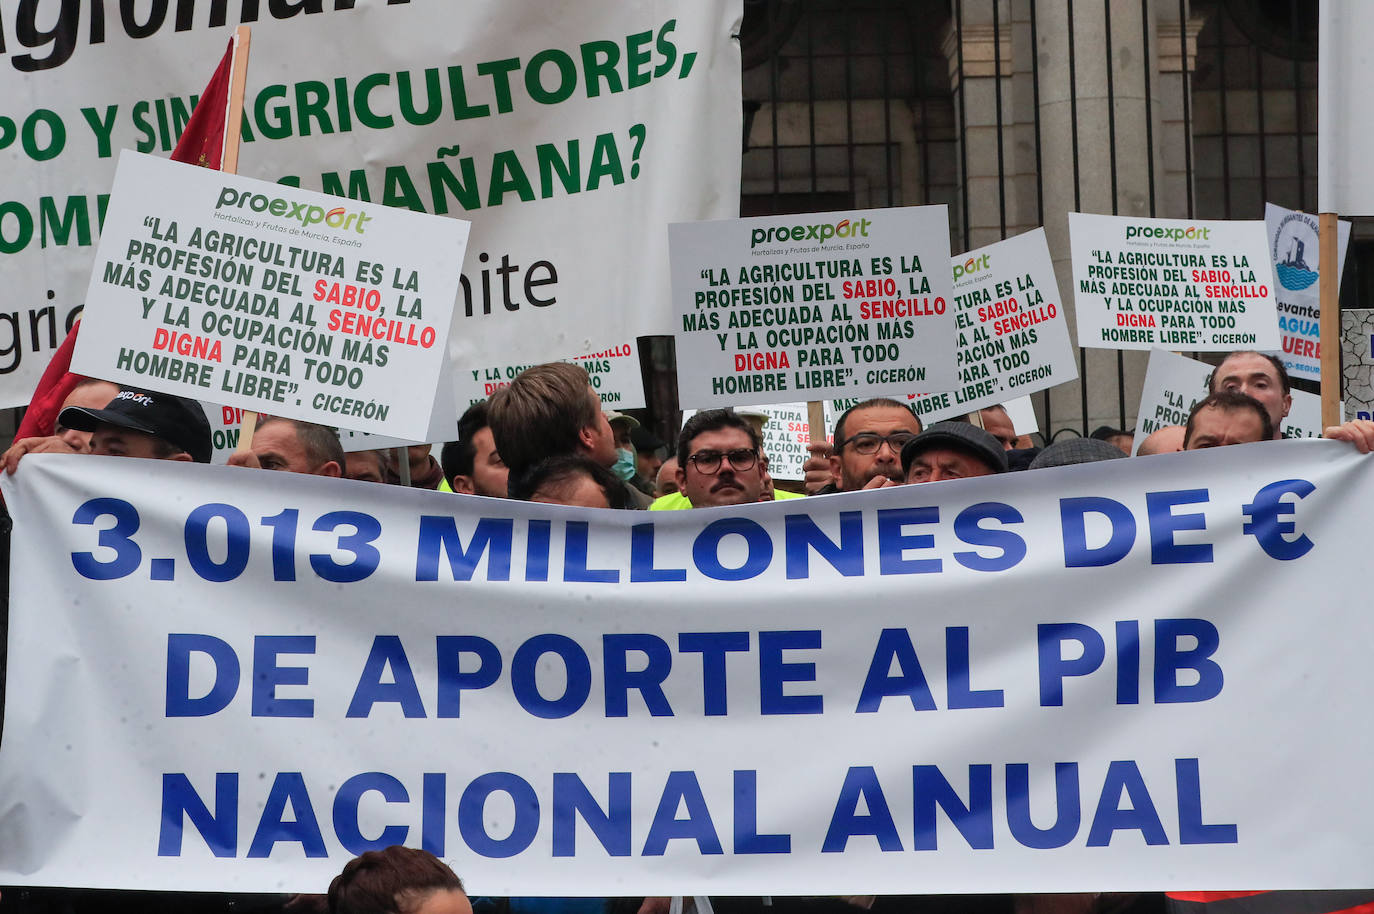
546	438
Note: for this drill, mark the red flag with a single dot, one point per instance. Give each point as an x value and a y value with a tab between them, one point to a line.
40	419
201	143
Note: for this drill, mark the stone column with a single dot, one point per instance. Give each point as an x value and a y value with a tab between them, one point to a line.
981	49
1109	118
1177	55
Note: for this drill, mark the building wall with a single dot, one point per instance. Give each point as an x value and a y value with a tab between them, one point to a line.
1015	112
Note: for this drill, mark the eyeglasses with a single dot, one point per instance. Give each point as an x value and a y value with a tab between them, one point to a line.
868	443
708	462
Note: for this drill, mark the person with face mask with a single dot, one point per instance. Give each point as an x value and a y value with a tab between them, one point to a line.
621	426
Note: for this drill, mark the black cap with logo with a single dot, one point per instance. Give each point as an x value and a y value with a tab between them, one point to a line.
176	420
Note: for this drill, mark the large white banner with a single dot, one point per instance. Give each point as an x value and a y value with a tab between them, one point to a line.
1344	132
570	136
220	682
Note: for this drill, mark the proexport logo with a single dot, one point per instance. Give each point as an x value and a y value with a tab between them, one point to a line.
307	214
971	266
1168	233
135	396
820	232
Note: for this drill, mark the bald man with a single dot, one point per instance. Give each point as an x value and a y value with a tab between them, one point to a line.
1166	440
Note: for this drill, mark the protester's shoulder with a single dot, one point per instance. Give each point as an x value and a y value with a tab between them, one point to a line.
638	500
673	501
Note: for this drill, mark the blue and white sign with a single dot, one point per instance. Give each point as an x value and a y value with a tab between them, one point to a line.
1293	245
219	682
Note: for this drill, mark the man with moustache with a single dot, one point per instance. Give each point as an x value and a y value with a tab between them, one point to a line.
721	460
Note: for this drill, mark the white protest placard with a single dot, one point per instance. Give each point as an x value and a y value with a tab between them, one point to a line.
1304	419
1012	335
1021	411
1344	133
1293	246
569	135
1013	338
614	372
1172	283
227	421
931	408
270	298
813	306
462	675
1174	384
786	435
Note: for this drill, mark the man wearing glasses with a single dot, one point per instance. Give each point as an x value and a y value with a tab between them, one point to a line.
868	445
720	460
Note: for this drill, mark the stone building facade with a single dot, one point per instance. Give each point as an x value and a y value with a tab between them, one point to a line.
1015	112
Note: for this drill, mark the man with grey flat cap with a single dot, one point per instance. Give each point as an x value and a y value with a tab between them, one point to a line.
1075	451
952	450
137	423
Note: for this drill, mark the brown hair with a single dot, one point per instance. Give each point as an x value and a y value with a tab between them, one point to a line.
540	414
711	420
393	881
320	442
1229	402
562	473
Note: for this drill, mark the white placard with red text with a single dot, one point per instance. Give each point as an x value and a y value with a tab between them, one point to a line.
776	309
1194	285
270	298
614	372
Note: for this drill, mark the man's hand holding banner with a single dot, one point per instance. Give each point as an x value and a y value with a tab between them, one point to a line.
1107	680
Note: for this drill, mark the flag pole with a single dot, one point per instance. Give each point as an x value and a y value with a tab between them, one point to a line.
233	122
233	130
1329	327
815	420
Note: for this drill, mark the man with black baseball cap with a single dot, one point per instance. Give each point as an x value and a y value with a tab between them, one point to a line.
952	450
141	423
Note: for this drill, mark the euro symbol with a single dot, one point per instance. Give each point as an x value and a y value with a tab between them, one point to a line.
1266	526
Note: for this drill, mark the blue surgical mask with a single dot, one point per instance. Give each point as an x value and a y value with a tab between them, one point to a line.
624	463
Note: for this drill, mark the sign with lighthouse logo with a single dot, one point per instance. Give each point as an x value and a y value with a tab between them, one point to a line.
1293	248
